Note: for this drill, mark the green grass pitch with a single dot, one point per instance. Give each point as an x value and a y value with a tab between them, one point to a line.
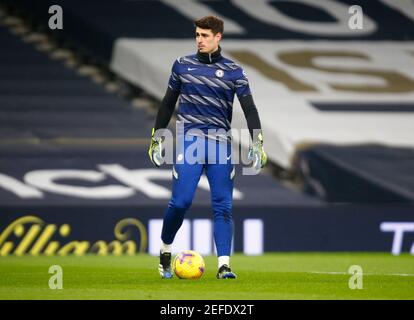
269	277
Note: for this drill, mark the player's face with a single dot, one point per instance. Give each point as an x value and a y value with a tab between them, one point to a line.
206	41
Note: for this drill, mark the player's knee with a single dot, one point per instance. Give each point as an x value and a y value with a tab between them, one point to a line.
181	204
223	209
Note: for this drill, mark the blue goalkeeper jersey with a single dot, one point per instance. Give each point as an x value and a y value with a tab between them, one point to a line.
207	93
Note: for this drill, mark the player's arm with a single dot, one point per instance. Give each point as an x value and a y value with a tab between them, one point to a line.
164	115
166	109
251	114
256	150
163	118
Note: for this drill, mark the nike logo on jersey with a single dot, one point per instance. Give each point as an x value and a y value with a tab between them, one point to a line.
189	69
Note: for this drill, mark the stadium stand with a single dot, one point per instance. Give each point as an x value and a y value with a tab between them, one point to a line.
367	173
323	86
68	143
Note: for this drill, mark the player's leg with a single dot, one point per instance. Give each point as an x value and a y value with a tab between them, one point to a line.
185	180
220	177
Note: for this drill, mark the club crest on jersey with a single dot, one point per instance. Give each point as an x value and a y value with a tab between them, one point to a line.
219	73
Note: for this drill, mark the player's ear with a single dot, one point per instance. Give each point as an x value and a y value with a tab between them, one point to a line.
218	35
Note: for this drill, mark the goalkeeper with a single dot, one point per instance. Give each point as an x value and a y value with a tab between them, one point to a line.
206	83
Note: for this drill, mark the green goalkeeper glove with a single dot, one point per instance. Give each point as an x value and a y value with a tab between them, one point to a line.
257	154
155	150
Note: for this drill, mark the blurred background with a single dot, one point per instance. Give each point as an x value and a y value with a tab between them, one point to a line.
81	82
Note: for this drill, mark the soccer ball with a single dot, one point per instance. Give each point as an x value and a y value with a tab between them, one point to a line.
188	264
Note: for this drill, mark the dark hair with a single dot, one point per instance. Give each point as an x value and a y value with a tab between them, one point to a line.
213	23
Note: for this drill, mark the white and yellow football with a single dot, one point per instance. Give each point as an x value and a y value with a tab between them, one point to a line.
188	264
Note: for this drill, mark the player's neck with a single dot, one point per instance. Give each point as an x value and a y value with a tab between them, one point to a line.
212	57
